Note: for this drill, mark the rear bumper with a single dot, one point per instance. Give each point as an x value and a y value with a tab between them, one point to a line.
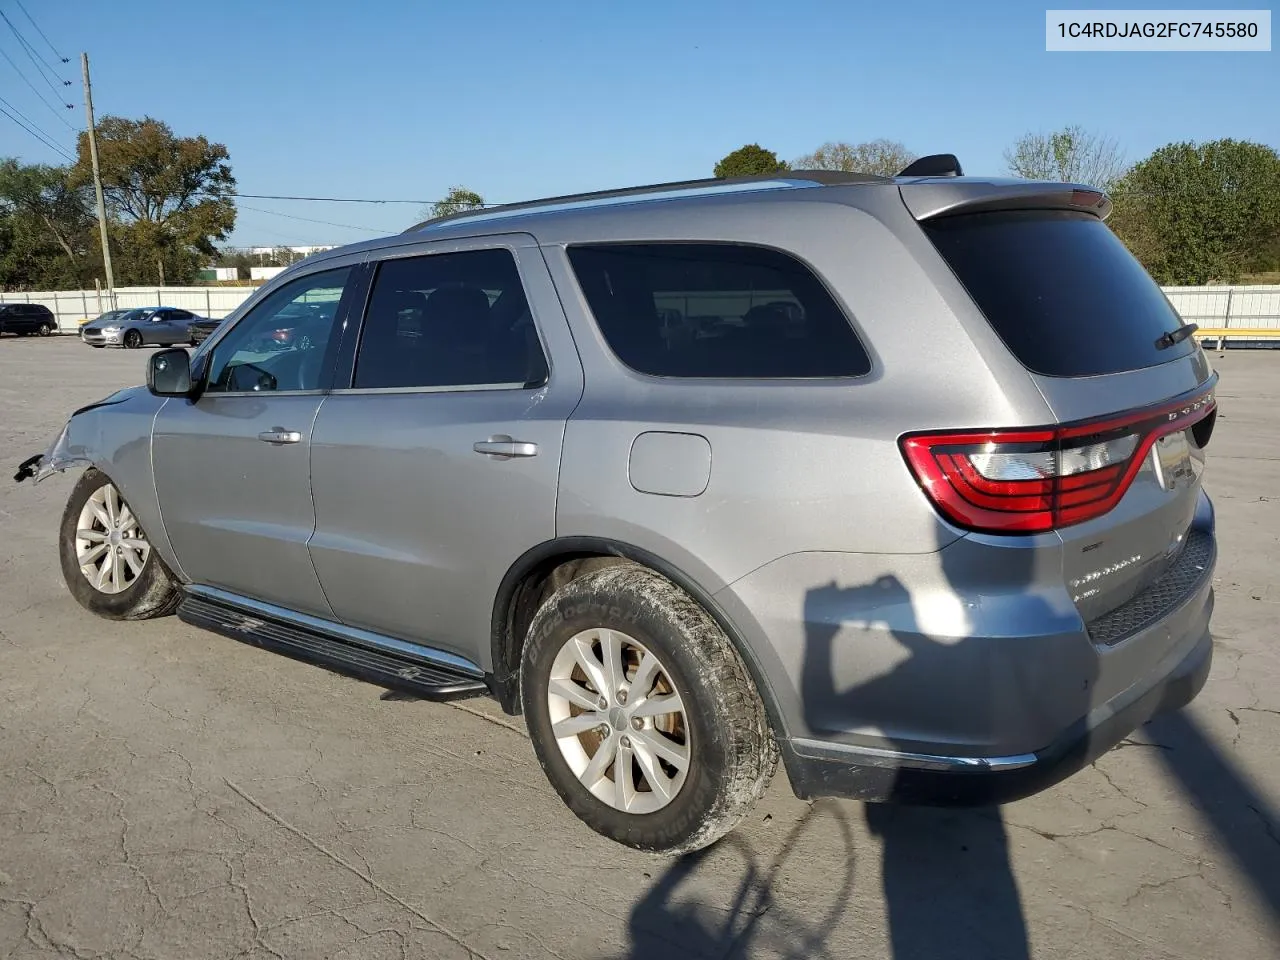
822	769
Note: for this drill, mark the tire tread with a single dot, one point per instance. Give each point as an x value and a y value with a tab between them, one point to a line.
750	752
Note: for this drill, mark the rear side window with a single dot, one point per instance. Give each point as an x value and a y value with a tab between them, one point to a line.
1061	290
449	320
716	310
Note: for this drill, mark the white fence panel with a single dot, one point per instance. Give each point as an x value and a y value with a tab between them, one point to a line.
1255	307
72	306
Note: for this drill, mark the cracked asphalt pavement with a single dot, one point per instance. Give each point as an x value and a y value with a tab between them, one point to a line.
165	792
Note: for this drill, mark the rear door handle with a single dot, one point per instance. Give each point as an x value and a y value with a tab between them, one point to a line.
279	435
503	447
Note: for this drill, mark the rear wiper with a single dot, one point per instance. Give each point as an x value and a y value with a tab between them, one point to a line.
1176	336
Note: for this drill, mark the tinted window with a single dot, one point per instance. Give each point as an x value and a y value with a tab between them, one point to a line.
716	310
449	320
1061	290
281	344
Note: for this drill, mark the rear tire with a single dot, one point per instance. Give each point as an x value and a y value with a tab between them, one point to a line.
133	339
696	711
134	584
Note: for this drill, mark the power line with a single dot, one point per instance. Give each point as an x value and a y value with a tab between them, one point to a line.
27	119
43	36
266	196
42	66
32	129
51	107
273	196
30	51
290	216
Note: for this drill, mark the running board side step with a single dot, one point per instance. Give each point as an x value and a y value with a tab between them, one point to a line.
431	675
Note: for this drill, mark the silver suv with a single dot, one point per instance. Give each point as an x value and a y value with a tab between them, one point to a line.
896	478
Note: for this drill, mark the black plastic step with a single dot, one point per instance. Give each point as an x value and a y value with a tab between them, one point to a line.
388	668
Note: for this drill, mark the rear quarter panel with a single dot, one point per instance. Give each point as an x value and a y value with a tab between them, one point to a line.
796	467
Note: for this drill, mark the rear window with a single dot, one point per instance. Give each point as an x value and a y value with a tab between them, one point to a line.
716	310
1061	290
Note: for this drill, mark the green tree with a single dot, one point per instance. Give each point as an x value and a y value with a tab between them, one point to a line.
171	197
1201	213
48	227
457	200
885	158
749	161
1072	154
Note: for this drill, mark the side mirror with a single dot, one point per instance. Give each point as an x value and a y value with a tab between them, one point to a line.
169	373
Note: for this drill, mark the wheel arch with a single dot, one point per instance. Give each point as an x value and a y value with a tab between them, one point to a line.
114	437
522	589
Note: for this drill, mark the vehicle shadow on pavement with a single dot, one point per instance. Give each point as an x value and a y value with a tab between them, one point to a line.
1242	820
948	886
671	920
957	662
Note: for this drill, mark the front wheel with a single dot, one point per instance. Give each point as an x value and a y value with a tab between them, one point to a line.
45	329
133	339
641	712
107	561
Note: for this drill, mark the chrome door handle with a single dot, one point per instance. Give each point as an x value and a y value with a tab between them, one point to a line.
279	435
503	447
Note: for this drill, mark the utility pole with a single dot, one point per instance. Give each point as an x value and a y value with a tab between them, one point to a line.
97	181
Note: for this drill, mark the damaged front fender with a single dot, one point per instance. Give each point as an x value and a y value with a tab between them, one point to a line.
57	458
114	436
74	444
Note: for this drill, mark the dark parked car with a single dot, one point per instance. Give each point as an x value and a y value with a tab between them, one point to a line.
27	318
164	326
202	328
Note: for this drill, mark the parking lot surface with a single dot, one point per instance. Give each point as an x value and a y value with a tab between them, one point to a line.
165	792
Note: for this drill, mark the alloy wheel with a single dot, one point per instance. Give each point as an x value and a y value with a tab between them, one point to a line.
619	721
110	547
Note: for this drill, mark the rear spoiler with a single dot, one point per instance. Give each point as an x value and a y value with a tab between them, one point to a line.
930	197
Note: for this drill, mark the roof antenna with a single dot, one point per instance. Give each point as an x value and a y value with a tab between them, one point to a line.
934	165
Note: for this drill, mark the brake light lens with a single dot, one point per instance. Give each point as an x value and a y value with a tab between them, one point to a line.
1032	481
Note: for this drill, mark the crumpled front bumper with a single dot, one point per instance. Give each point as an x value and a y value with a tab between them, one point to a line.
54	460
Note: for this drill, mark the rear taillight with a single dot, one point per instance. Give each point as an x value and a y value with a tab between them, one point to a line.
1033	480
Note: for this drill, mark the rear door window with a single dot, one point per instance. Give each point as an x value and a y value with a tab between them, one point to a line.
716	310
1061	290
449	320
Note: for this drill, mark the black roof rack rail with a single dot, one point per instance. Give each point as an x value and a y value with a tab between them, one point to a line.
827	178
934	165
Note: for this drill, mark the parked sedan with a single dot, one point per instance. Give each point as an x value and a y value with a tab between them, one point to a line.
164	326
104	318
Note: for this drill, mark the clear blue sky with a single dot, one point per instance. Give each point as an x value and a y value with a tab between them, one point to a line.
401	99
